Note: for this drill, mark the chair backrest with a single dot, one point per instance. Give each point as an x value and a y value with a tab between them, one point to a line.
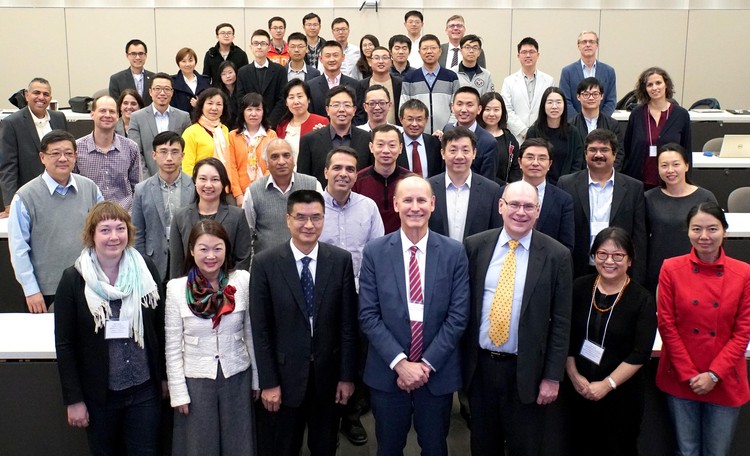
628	102
713	145
739	200
706	103
100	93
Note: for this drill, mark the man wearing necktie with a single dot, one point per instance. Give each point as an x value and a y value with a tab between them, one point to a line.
517	340
304	317
414	307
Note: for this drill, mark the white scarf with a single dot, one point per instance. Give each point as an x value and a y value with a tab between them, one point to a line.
134	286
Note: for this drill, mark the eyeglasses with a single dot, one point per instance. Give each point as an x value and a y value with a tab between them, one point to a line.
56	155
278	27
225	33
588	42
297	47
467	48
167	153
302	219
379	104
136	54
311	24
553	103
428	48
528	52
340	29
590	95
380	58
341	105
601	150
515	206
617	257
260	43
532	159
158	89
455	26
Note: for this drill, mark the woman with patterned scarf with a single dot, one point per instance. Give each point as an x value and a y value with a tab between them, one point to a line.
209	350
109	335
208	136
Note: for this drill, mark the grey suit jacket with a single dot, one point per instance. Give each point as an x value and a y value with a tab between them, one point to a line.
19	150
443	59
142	130
231	218
482	213
544	325
150	219
124	80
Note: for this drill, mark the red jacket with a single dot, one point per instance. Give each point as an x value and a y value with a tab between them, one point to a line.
704	322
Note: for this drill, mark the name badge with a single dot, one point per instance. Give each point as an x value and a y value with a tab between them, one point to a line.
117	329
592	352
416	311
652	151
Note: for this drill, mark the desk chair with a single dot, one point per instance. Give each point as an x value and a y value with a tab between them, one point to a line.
713	145
739	200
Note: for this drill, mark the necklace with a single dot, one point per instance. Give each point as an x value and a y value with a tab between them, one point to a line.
617	299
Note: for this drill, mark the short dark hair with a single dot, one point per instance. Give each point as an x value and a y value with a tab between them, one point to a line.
340	89
472	38
303	197
223	177
133	93
57	136
601	135
374	87
340	150
222	25
467	89
184	52
254	100
168	137
673	147
136	42
619	236
296	36
205	95
429	37
339	20
385	128
277	19
40	80
310	16
535	142
711	208
413	104
413	13
161	75
640	87
380	48
332	43
484	101
213	228
399	39
588	84
458	132
285	94
528	41
261	32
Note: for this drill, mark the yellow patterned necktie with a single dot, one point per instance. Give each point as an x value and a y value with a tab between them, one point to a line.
502	302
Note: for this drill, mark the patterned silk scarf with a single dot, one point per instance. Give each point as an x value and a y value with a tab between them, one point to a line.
204	301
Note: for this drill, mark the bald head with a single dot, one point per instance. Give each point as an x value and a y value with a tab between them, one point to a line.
280	160
519	208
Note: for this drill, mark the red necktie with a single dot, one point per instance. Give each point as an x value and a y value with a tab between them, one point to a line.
416	163
415	296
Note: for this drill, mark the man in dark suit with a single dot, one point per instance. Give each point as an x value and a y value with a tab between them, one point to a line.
331	58
556	205
381	75
414	307
314	146
517	340
571	76
152	214
413	115
465	202
304	316
296	68
21	134
135	76
590	94
263	77
617	201
455	29
143	123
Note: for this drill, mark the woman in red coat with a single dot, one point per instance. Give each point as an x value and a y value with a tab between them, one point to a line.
704	321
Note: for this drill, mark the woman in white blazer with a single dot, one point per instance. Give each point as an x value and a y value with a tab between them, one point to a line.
209	350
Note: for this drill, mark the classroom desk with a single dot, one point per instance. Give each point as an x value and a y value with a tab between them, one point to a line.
11	292
706	124
720	175
79	124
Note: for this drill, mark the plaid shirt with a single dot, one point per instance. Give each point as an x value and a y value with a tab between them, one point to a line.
116	172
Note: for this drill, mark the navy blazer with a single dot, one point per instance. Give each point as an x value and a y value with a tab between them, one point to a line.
435	163
572	75
319	90
384	312
556	218
488	152
676	129
483	211
182	93
628	212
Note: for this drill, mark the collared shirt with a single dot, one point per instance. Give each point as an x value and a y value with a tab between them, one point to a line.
530	86
490	284
191	83
42	125
19	233
162	120
313	266
338	140
591	123
115	171
265	64
588	72
457	205
349	65
449	58
294	74
312	57
540	189
600	205
430	76
249	207
171	195
334	81
415	59
366	127
138	81
421	149
350	226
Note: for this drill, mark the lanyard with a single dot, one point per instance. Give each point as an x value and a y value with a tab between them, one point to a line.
612	309
648	123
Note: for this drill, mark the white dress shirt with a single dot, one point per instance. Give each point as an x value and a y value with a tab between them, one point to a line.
457	206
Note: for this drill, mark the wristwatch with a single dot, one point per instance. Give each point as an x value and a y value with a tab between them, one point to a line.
714	377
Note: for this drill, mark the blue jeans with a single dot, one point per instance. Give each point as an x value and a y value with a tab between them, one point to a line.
701	428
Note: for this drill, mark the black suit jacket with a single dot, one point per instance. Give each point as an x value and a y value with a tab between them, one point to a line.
628	212
319	90
608	123
314	147
284	348
124	80
435	163
271	88
19	150
311	73
482	213
83	355
395	96
544	325
556	218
